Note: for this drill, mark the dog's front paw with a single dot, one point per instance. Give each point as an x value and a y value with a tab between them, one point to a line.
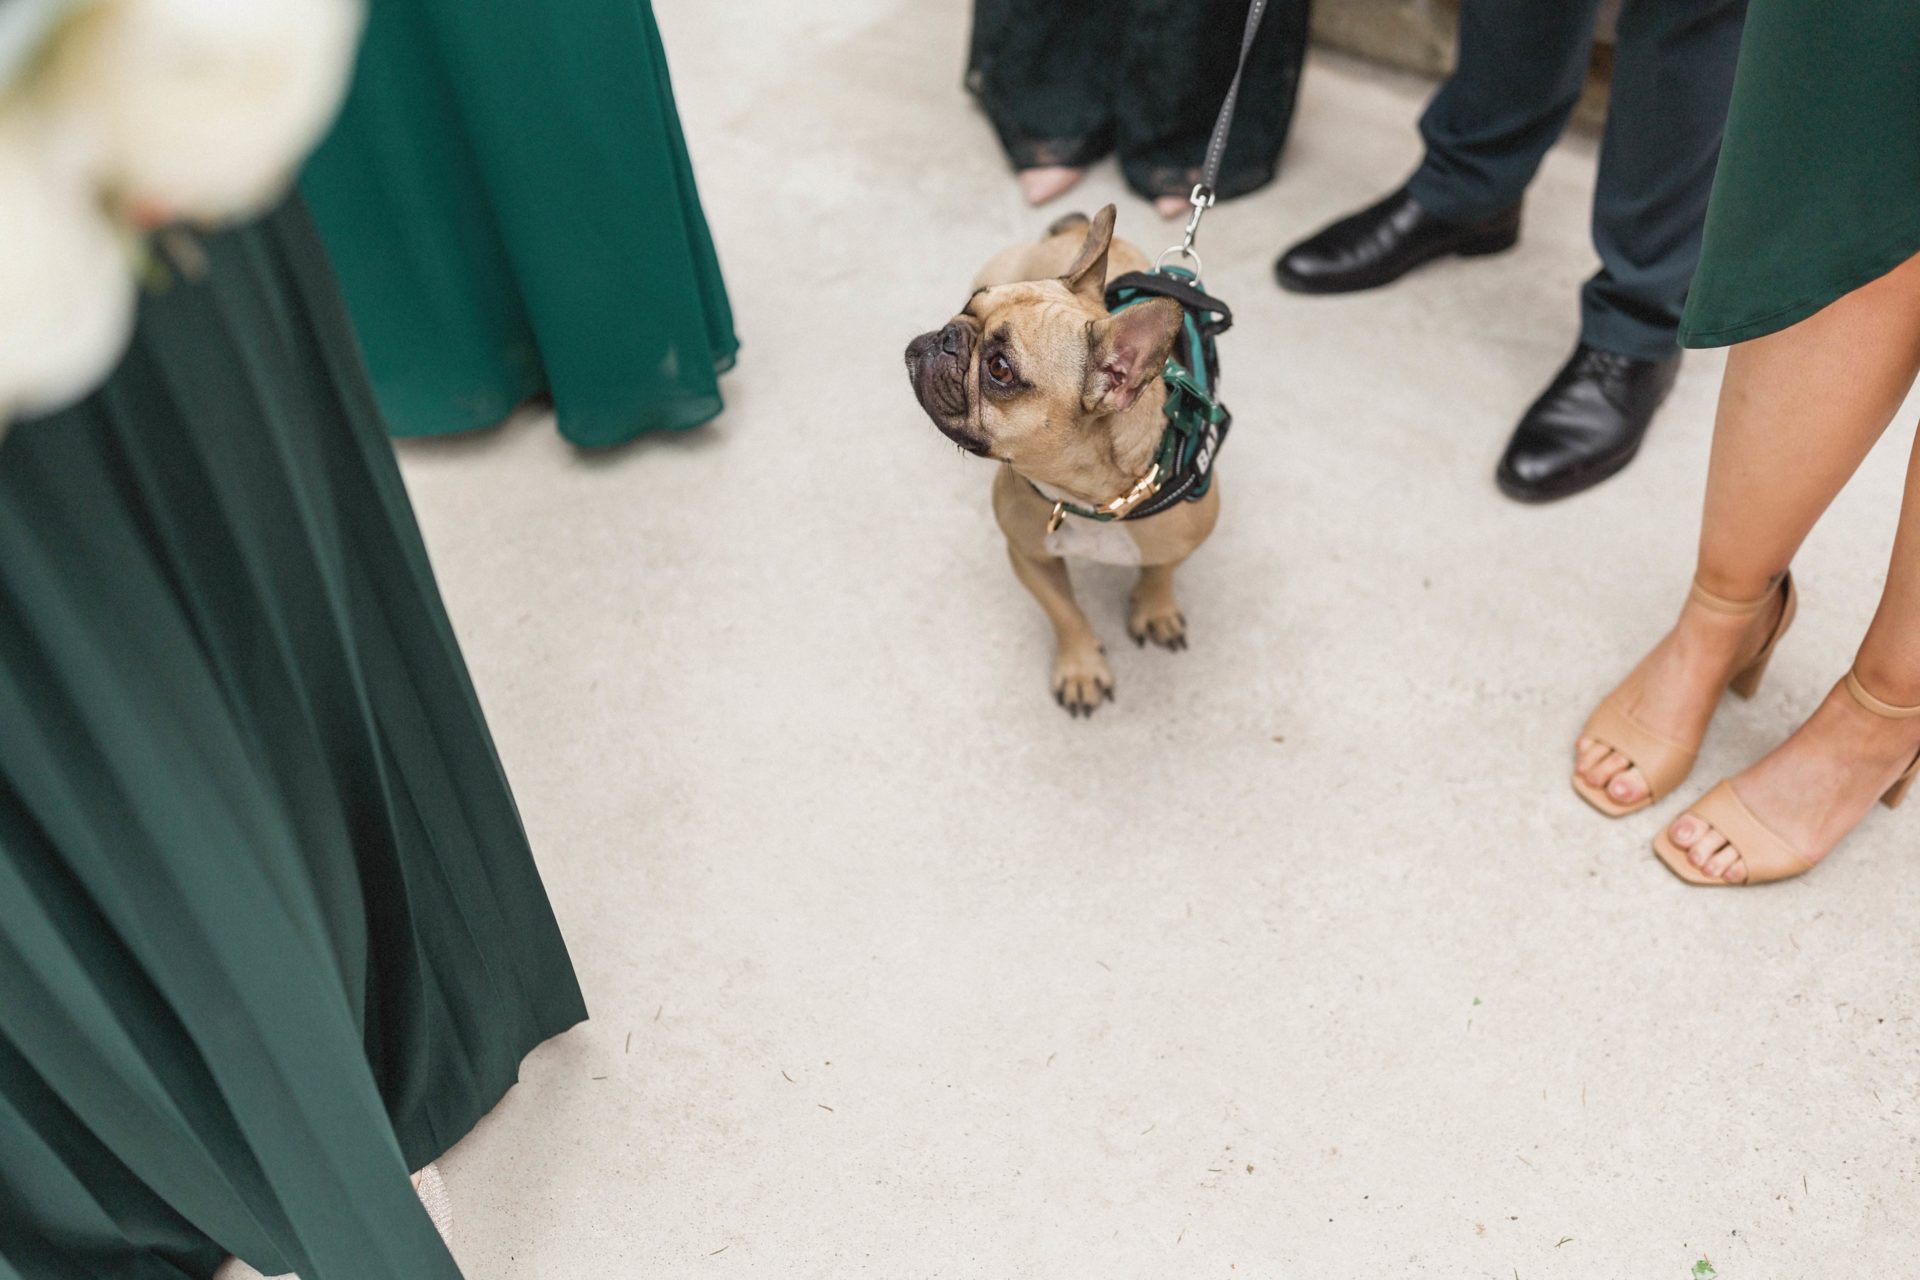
1081	681
1158	621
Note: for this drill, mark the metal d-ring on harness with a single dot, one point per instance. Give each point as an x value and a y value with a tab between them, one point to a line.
1197	422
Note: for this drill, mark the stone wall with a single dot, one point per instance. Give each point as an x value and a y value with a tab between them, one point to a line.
1418	35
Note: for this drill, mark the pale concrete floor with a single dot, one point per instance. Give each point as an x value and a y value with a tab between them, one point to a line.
1302	960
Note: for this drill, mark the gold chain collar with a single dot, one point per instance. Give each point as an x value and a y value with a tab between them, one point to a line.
1143	488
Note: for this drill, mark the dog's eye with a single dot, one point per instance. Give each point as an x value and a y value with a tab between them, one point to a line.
1000	369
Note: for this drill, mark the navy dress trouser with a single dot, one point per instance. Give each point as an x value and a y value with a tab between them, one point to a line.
1521	68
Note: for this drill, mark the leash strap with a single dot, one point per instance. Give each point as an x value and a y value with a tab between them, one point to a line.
1197	423
1202	196
1217	144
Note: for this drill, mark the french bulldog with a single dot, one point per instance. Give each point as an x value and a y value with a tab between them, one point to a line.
1036	375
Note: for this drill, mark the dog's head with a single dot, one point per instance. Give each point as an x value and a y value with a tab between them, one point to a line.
1030	373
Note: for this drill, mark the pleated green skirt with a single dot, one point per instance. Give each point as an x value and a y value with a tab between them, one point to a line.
270	931
1818	187
509	205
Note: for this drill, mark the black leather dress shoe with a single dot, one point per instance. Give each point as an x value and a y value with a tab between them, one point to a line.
1585	426
1383	242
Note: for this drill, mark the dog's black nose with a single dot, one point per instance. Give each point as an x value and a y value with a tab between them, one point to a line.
953	339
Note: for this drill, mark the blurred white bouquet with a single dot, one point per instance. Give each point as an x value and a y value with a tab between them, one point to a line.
121	116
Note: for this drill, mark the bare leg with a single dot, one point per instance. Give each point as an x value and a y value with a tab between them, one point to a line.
1889	659
1156	614
1081	679
1798	411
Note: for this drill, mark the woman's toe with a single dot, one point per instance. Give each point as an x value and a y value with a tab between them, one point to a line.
1628	787
1737	873
1590	756
1603	774
1705	847
1043	184
1723	860
1685	830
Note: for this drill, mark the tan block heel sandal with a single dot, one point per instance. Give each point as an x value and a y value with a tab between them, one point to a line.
1663	762
1767	857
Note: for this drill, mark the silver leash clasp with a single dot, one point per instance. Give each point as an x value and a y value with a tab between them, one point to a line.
1202	200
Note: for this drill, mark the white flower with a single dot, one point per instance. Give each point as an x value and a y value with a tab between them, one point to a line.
66	292
203	109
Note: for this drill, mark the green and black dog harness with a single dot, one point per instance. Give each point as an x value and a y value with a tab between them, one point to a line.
1197	422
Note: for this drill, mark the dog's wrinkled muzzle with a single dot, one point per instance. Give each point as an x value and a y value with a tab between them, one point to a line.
938	365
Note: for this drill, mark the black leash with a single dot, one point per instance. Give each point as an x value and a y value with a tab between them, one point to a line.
1197	423
1203	191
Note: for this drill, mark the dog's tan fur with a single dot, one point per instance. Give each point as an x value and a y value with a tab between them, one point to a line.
1084	420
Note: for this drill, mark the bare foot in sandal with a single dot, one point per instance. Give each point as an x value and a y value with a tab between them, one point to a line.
1641	741
1047	182
1796	803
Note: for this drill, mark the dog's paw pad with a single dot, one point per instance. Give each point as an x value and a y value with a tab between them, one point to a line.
1081	684
1166	628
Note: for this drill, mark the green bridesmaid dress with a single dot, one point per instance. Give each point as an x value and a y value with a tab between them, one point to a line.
1818	189
509	207
270	932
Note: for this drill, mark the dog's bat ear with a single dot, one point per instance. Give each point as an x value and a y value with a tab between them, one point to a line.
1126	352
1087	277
